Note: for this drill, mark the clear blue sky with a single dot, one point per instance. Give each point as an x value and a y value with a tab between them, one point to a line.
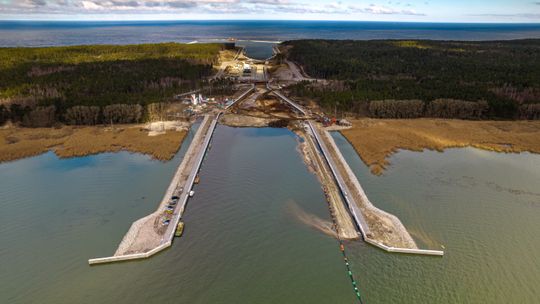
373	10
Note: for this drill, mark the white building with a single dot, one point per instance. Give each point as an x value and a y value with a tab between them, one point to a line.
247	68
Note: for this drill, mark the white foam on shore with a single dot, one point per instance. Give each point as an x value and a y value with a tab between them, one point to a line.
265	41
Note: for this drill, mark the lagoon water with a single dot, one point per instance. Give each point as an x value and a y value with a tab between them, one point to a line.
243	242
483	207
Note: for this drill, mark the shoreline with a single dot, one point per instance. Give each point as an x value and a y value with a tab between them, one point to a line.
366	137
376	140
80	141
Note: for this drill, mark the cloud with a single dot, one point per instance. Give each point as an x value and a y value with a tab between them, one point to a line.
244	7
89	5
532	16
384	10
38	2
125	3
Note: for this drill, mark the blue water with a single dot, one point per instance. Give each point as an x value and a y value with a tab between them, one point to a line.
32	33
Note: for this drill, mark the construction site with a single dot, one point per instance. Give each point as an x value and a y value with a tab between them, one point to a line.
259	102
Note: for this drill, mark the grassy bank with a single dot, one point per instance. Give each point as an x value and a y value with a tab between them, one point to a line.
17	143
377	139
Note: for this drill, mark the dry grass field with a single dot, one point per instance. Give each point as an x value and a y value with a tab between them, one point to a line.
377	139
16	143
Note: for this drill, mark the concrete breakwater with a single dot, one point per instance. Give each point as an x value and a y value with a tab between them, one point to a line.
314	160
379	228
373	223
149	235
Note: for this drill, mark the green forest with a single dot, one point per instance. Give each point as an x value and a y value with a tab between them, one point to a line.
503	77
53	80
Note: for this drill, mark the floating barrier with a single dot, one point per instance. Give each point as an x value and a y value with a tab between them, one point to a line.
349	272
342	250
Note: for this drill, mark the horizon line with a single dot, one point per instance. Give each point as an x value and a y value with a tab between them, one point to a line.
272	20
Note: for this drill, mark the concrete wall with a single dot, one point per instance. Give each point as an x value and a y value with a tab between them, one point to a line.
128	257
404	250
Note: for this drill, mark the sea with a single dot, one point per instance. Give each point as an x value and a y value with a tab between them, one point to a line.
257	36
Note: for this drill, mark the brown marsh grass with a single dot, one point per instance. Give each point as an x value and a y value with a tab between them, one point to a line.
376	140
16	143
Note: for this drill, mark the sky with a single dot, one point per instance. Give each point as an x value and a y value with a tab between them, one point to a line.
518	11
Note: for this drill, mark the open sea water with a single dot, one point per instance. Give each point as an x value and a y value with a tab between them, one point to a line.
257	36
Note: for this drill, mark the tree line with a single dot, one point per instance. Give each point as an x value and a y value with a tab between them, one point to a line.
503	74
100	83
439	108
48	116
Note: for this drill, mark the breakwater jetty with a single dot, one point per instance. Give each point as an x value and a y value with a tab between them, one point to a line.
155	232
378	228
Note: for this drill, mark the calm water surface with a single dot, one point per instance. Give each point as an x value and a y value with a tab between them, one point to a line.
483	207
242	242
